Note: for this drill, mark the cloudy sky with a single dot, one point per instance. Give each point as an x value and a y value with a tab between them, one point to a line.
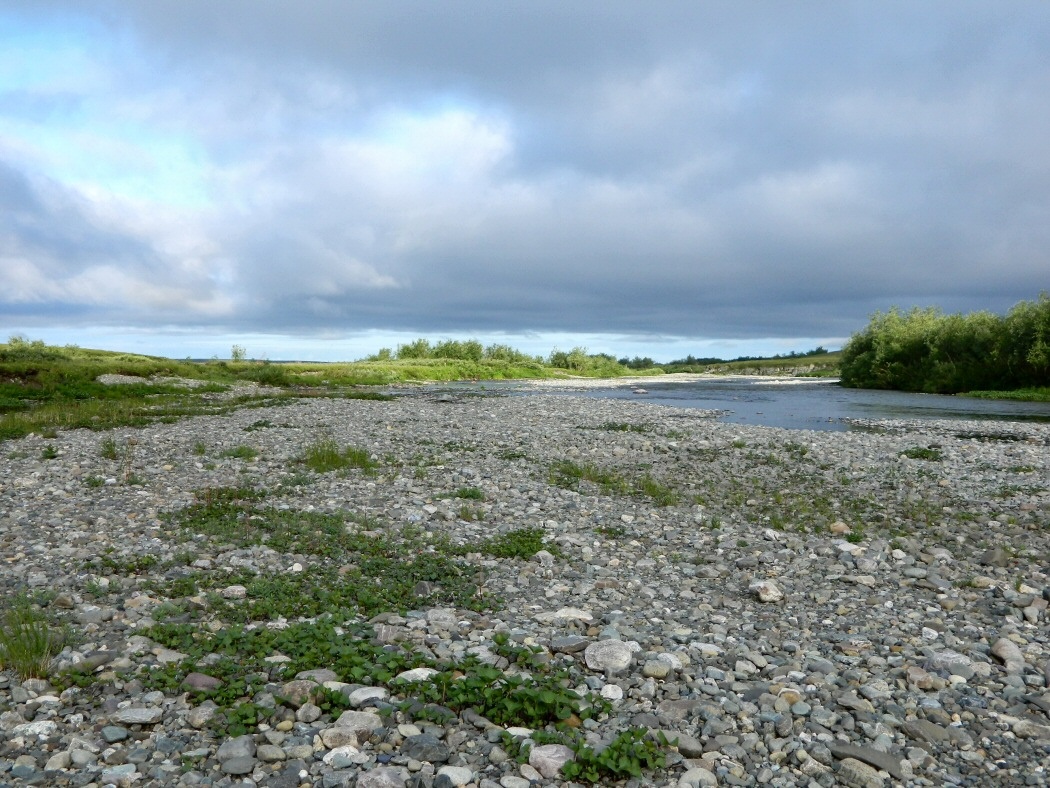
318	180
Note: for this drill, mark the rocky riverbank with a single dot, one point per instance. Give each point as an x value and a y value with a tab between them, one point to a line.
790	608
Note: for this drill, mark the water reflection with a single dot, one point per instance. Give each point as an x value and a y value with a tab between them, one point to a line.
813	405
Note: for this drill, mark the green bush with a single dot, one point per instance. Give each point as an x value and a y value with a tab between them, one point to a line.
926	350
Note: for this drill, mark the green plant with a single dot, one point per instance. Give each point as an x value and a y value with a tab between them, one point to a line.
49	452
107	449
241	452
615	531
568	474
471	493
519	543
470	514
922	453
94	481
28	640
324	455
200	449
630	754
622	426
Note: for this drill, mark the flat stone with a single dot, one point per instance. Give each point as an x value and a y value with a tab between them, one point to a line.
201	682
383	777
139	716
611	656
951	663
548	759
416	674
238	747
112	734
924	730
456	775
237	766
367	696
60	760
856	774
569	644
565	614
698	777
425	747
122	776
883	761
1007	652
362	722
1026	729
269	753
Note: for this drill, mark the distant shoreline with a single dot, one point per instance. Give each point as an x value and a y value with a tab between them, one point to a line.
641	381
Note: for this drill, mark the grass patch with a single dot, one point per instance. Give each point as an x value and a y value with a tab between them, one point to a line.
623	426
1032	394
365	568
568	474
470	493
241	452
923	453
325	455
521	543
28	639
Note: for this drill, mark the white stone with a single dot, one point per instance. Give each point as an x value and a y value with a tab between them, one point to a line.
608	655
766	591
367	695
548	759
565	614
457	775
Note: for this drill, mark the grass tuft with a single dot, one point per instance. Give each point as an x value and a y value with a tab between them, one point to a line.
325	455
28	641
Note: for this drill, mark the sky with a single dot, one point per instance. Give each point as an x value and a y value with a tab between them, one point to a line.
320	180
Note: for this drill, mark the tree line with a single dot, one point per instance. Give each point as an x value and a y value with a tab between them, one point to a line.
929	351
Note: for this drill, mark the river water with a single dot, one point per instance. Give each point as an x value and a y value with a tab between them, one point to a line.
795	403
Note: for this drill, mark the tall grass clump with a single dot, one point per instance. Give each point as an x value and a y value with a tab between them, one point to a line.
28	641
325	454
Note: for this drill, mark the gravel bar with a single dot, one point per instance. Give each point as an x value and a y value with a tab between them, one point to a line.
861	608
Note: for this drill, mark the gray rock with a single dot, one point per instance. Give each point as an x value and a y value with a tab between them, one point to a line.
239	747
548	759
856	774
698	778
425	747
1008	652
455	776
240	765
883	761
766	591
112	734
138	716
569	644
383	777
361	722
611	656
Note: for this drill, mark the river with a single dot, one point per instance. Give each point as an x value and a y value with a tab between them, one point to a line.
802	403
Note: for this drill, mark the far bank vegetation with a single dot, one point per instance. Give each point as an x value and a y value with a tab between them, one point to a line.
980	353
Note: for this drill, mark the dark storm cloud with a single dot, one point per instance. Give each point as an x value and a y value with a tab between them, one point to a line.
706	170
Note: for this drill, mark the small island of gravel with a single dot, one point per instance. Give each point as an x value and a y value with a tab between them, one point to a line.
788	608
